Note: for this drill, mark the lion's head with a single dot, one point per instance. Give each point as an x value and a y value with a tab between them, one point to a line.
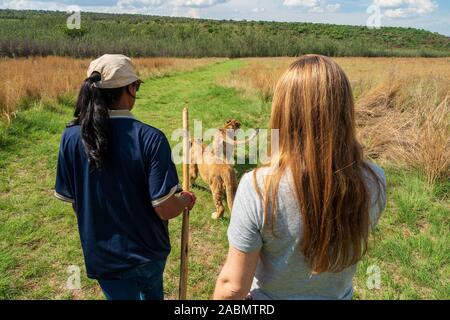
232	124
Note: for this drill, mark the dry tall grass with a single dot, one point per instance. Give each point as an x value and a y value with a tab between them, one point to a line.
403	108
52	77
427	143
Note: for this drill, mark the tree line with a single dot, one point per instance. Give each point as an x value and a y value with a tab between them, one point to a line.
31	33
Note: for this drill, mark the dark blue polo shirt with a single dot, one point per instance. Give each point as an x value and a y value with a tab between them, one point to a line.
119	228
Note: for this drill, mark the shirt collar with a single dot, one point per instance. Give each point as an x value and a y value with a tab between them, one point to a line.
114	114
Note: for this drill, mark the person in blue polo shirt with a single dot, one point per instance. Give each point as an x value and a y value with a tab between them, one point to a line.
119	175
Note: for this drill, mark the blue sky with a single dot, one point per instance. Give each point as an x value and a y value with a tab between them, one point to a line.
432	15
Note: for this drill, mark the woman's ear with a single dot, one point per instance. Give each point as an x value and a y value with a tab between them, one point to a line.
131	89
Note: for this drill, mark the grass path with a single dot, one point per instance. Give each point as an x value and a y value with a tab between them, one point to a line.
39	239
161	104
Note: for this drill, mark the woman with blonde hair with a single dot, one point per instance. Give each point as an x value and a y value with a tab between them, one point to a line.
300	226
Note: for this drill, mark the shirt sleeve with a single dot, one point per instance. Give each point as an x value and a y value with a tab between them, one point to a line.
244	232
378	197
64	184
163	178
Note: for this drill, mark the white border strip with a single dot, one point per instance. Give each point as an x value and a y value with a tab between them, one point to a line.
160	201
120	114
62	198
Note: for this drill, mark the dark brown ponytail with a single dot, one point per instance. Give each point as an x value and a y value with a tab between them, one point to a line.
92	114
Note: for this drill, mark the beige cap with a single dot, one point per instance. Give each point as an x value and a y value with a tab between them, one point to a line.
117	71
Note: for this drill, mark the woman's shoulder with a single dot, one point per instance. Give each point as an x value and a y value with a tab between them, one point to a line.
376	168
255	177
249	187
373	174
376	182
147	128
71	132
150	133
258	178
378	171
260	173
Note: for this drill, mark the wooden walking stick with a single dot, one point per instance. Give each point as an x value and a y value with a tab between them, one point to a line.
185	228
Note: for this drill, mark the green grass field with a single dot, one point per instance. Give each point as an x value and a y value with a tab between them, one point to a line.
39	238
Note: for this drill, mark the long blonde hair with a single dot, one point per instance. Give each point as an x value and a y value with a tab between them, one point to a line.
313	109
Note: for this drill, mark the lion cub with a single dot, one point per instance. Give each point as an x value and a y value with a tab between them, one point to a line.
219	175
225	140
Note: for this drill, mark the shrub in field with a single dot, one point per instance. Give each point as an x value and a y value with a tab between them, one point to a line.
4	112
409	125
74	33
434	138
376	119
428	145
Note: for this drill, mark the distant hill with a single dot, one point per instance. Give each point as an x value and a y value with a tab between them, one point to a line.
25	33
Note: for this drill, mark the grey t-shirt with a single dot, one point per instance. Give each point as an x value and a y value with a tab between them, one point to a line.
282	272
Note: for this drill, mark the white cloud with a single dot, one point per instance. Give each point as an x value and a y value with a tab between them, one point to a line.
181	11
193	13
195	7
200	3
121	6
389	3
139	3
333	7
313	6
33	5
406	8
259	10
301	3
